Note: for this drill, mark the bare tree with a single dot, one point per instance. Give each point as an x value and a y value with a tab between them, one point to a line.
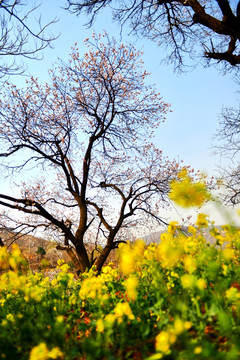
228	133
17	38
183	26
88	132
228	181
228	146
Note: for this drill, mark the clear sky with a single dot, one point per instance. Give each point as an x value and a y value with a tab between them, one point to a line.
197	97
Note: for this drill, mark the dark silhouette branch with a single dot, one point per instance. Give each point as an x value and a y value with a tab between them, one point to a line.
177	24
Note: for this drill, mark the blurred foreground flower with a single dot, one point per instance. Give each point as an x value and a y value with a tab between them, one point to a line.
186	193
41	352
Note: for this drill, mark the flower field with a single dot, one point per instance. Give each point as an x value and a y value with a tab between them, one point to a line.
179	299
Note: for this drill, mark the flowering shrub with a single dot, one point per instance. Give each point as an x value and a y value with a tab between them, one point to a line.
179	299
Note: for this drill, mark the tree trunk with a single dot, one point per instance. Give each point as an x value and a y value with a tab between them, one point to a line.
79	257
1	242
84	263
74	259
103	257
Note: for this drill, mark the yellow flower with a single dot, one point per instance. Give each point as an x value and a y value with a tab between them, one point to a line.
55	353
131	287
162	342
173	227
13	263
54	282
60	262
186	193
183	173
41	352
109	319
72	299
178	326
127	261
202	221
106	269
123	309
16	252
64	268
225	269
187	281
60	319
187	325
189	263
4	258
192	230
91	287
201	284
168	251
228	254
10	317
130	256
150	252
232	294
198	350
100	326
139	247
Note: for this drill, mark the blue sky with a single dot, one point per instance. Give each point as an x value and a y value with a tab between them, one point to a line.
197	97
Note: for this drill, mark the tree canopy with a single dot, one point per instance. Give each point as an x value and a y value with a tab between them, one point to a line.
193	27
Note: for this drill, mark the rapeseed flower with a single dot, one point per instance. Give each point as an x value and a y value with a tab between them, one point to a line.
228	254
91	288
131	287
139	247
202	221
180	326
201	284
109	319
162	343
10	317
168	251
150	252
189	264
131	256
127	261
188	281
108	273
232	294
122	309
60	319
186	193
173	227
41	352
100	326
4	258
197	350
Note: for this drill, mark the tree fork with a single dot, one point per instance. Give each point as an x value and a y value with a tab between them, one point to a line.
103	257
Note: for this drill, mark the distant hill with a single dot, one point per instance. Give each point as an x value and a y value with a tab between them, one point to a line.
156	236
29	244
23	241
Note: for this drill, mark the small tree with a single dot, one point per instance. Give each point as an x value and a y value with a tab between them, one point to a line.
41	251
88	131
184	26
